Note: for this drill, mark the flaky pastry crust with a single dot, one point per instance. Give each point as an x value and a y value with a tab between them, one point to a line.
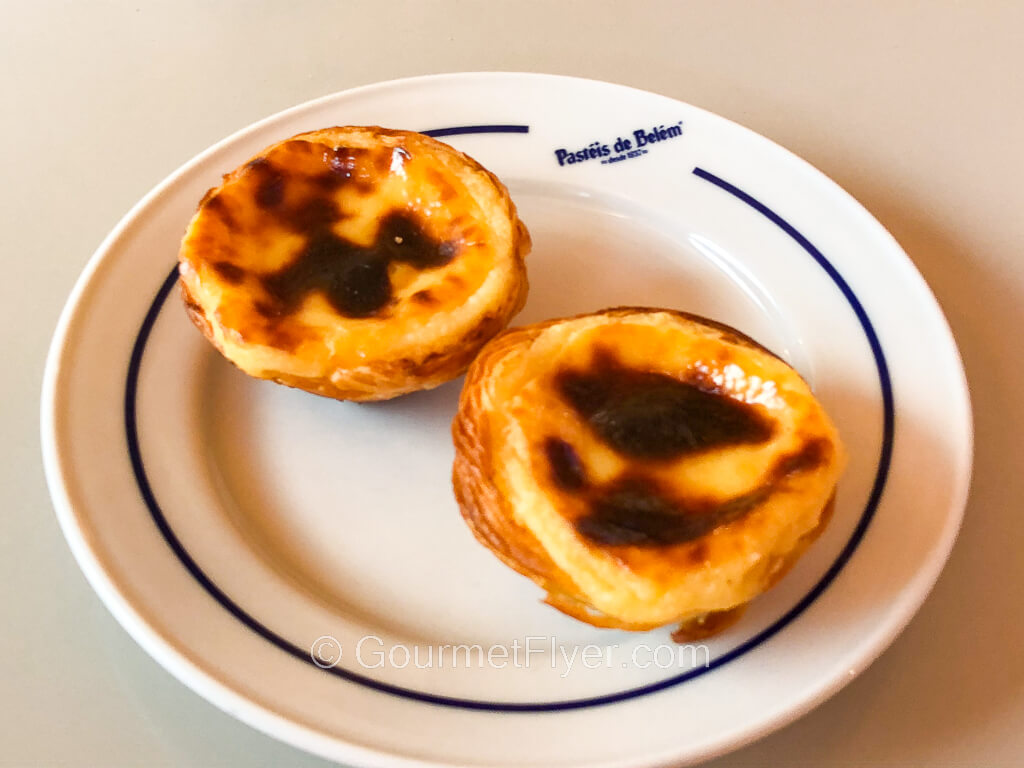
643	466
358	263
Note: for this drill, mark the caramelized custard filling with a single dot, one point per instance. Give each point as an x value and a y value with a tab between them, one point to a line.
654	416
633	511
651	419
354	278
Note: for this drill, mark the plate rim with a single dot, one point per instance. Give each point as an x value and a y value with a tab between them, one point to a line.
190	671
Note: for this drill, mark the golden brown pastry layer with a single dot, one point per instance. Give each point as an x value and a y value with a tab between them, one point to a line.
356	263
643	466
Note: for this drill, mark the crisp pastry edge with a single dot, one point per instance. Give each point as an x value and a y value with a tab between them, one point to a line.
490	516
432	366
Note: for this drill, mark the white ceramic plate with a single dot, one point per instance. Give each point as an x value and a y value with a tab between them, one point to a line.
233	525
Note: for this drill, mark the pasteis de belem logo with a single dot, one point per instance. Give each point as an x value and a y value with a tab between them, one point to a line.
634	144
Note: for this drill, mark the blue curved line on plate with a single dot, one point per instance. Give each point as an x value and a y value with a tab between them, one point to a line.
131	430
465	129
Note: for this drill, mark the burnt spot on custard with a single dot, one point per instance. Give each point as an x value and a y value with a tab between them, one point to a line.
311	217
566	466
384	162
342	166
634	511
214	205
354	278
654	416
809	456
697	553
269	191
229	271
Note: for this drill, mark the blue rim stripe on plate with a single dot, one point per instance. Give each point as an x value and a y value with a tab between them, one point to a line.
885	455
467	129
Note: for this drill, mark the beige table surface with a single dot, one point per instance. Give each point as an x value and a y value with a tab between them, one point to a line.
916	108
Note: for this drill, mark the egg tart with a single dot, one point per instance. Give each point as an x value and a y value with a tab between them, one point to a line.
357	263
645	467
